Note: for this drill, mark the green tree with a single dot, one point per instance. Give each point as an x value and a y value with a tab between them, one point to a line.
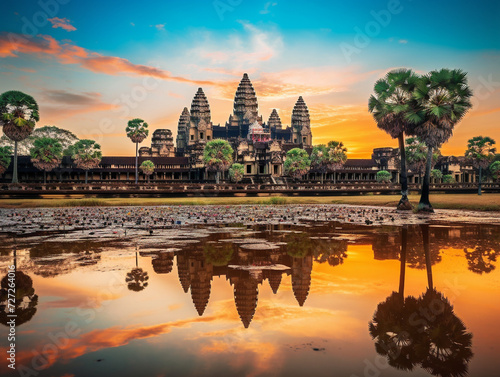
147	168
384	176
297	163
5	158
436	174
495	170
236	172
480	152
319	160
218	255
390	106
137	131
65	137
443	99
18	117
448	178
46	155
86	154
218	156
337	156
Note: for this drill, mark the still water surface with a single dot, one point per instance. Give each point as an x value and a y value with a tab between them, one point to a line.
319	299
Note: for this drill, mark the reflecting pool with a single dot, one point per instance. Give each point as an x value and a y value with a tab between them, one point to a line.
320	298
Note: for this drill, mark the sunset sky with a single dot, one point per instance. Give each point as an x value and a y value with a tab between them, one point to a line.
92	65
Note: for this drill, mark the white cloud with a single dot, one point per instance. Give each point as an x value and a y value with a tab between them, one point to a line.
403	41
255	45
268	5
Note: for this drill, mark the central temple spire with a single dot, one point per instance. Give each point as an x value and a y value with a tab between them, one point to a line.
245	101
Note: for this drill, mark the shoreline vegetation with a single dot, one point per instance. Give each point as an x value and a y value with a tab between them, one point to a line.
485	202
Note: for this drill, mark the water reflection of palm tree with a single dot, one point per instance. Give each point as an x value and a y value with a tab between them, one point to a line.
26	300
423	332
395	337
137	279
446	340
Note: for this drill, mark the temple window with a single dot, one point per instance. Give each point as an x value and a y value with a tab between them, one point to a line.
249	169
201	135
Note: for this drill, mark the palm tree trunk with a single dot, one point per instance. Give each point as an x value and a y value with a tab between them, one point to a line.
86	176
425	204
322	178
334	177
404	241
479	187
136	162
217	177
14	172
404	203
428	264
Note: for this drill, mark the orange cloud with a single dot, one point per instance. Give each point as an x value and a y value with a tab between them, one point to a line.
61	104
63	23
45	46
101	339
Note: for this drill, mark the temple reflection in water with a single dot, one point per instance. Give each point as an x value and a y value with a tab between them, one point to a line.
417	331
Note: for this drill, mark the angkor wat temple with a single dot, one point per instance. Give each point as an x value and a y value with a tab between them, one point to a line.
258	145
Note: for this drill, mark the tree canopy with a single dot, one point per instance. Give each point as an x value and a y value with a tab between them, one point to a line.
297	163
236	172
480	151
46	153
218	155
137	130
147	167
86	154
65	137
384	176
5	158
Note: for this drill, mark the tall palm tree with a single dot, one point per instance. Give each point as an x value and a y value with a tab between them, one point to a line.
443	99
218	156
389	106
86	154
18	116
46	155
481	152
137	131
337	156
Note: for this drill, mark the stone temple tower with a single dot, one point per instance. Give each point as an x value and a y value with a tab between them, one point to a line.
274	120
182	129
301	124
200	125
245	107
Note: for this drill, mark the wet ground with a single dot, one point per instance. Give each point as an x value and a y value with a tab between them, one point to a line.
315	290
